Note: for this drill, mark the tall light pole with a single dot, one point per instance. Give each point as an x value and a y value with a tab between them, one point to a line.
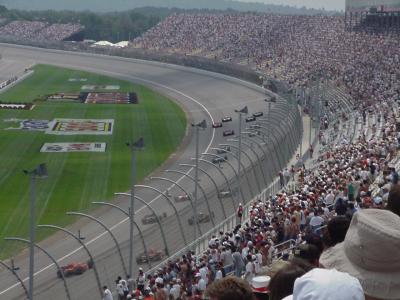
243	111
138	145
269	104
201	125
39	172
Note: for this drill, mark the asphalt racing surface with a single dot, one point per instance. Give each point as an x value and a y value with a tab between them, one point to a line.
203	95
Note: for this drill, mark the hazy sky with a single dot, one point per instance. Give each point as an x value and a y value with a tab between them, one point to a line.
327	4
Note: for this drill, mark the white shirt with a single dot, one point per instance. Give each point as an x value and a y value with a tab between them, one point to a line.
201	285
218	275
316	221
249	271
329	199
107	295
204	272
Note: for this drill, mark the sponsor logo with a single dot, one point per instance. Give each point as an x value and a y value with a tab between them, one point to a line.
73	147
81	126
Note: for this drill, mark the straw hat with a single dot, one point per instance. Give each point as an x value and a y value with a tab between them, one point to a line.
370	252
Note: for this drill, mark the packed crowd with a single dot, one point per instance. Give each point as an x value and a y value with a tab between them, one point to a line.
336	235
295	49
39	31
354	183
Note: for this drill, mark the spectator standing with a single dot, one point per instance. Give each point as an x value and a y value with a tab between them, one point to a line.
107	295
238	263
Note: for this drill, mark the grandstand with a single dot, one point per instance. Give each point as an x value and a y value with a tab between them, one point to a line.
41	31
356	164
348	81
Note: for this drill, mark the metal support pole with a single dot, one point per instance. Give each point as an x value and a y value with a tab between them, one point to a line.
226	180
240	155
252	194
39	172
49	256
139	144
255	154
108	230
249	159
269	122
196	184
213	181
86	249
32	231
240	192
132	212
16	276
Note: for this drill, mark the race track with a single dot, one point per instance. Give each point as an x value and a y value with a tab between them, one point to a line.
203	95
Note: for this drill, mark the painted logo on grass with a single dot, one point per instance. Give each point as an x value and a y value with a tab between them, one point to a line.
37	125
90	87
73	147
81	126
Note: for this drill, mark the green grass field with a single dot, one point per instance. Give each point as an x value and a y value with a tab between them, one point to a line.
77	179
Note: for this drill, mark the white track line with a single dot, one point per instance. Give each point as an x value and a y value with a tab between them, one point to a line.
126	219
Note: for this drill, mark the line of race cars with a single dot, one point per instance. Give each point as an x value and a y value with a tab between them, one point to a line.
226	119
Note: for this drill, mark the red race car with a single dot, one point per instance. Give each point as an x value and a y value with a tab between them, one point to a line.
75	269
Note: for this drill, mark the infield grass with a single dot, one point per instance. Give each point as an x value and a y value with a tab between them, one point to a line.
77	179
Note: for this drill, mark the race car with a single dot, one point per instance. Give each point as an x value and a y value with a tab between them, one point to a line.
258	114
182	198
151	218
224	194
228	132
218	160
223	150
154	255
226	119
217	125
75	269
255	126
201	218
250	119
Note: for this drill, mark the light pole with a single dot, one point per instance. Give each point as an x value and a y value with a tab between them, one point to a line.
241	112
39	172
249	159
230	165
138	145
226	180
146	253
213	181
155	215
250	147
269	104
201	125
